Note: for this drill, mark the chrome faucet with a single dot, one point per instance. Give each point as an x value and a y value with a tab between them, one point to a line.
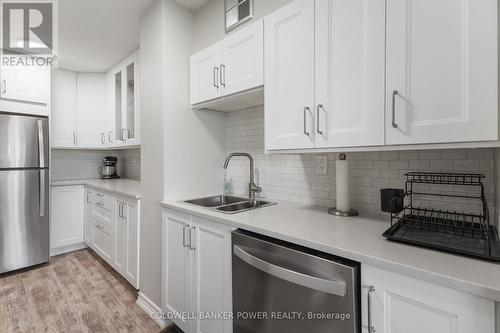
252	187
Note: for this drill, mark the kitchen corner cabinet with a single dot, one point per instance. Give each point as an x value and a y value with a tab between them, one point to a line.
442	71
66	217
401	304
96	110
231	66
324	77
123	101
196	271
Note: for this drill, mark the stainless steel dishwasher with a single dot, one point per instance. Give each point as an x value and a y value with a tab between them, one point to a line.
284	288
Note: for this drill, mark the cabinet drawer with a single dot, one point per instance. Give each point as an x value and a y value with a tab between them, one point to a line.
103	241
103	208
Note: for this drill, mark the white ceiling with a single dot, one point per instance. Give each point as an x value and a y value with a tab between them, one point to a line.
193	4
96	34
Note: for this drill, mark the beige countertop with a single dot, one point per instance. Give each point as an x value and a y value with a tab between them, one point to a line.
125	187
359	239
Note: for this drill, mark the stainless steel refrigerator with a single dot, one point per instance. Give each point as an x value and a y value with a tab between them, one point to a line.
24	191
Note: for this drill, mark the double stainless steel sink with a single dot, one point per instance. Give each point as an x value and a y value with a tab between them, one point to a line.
229	204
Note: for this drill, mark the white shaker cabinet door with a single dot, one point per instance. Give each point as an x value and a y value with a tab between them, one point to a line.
289	76
212	270
178	294
242	63
350	76
66	216
401	304
63	117
205	75
442	71
25	83
92	111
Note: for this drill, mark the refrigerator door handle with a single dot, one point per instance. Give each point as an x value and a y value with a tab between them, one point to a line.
42	192
41	145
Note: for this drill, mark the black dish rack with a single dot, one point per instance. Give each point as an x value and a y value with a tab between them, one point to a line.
468	234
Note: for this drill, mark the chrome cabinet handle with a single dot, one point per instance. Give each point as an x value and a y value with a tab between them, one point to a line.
110	136
371	328
306	109
394	94
184	243
338	288
124	205
103	141
320	106
4	87
119	210
191	246
216	75
223	75
74	138
88	197
124	134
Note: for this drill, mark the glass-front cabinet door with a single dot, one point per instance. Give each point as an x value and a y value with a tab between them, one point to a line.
125	103
129	133
118	102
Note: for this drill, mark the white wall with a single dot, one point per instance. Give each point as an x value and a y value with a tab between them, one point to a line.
194	141
151	105
182	150
209	27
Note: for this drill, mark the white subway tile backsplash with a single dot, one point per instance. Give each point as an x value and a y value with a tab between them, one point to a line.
85	164
292	176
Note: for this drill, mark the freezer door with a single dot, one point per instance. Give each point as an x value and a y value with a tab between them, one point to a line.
24	218
24	142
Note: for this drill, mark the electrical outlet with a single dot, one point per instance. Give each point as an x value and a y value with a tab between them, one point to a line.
322	165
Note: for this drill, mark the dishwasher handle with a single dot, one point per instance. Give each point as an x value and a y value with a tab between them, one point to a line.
337	288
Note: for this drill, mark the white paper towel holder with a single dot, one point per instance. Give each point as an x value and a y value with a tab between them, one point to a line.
335	211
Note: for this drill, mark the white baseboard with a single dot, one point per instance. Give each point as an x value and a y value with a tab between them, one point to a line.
152	310
66	249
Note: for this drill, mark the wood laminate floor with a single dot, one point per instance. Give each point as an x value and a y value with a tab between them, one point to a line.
76	292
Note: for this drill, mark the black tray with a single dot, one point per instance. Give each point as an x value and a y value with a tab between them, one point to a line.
406	231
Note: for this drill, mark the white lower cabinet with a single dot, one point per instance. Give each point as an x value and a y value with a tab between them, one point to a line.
401	304
126	260
67	211
112	230
196	272
102	242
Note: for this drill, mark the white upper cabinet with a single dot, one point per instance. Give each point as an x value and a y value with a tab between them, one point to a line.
289	76
231	66
64	114
205	75
242	63
122	120
25	83
349	63
442	71
91	109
